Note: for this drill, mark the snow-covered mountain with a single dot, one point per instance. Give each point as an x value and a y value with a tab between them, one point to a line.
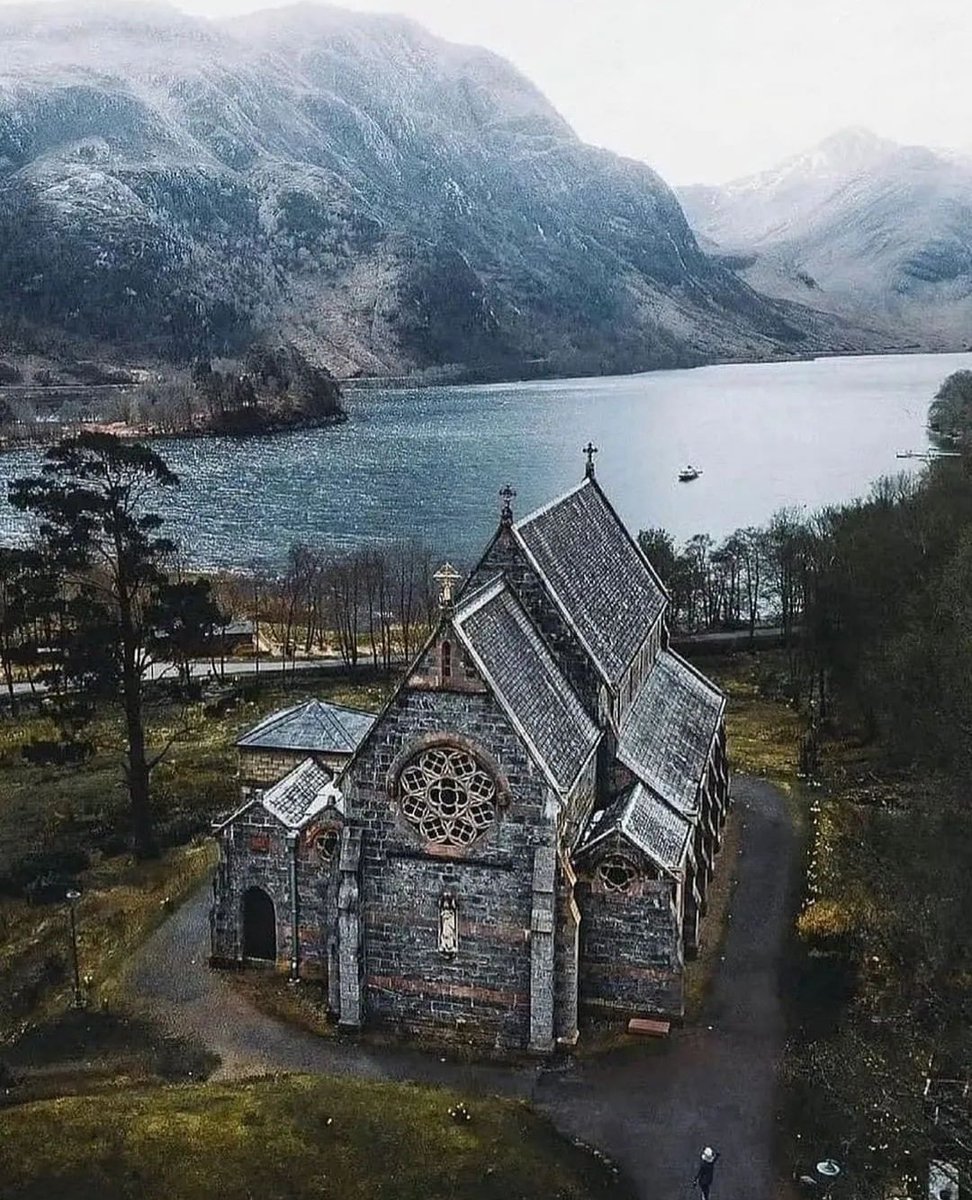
390	201
859	226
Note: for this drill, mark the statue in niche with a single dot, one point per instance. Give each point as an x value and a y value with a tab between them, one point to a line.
448	924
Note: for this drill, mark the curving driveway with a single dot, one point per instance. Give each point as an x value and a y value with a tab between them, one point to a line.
651	1106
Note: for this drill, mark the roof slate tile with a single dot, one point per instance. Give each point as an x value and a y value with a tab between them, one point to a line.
531	685
593	568
667	733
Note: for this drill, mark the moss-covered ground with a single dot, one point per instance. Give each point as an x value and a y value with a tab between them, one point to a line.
295	1138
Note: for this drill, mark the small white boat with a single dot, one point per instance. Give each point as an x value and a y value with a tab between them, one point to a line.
687	474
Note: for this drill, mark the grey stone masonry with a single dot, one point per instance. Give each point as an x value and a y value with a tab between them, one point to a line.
523	838
630	944
542	936
350	1011
482	991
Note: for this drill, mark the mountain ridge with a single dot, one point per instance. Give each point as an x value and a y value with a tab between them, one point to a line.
390	202
859	226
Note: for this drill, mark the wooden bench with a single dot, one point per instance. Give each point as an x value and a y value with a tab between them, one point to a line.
645	1028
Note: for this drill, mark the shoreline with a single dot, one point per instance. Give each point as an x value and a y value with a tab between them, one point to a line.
416	382
147	433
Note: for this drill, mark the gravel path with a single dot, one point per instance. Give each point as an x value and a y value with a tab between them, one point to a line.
651	1106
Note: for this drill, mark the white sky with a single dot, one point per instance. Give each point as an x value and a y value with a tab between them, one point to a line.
706	90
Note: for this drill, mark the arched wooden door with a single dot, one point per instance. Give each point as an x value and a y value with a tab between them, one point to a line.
259	926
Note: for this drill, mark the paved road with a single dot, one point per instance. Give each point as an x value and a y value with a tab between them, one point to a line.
651	1106
203	669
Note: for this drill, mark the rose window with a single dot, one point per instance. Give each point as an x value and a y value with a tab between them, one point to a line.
447	796
617	873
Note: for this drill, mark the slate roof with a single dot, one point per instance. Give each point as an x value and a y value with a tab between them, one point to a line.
298	796
528	682
601	580
315	726
667	733
647	822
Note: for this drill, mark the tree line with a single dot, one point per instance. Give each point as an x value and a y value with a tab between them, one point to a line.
749	579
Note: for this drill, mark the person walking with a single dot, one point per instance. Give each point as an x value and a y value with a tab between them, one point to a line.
706	1171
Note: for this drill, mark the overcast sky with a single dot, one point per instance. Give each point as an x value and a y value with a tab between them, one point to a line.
706	90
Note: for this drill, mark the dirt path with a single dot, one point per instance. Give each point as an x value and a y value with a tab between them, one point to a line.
651	1107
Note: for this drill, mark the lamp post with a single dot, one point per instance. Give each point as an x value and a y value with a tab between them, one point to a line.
72	896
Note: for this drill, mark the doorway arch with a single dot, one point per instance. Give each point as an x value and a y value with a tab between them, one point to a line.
259	926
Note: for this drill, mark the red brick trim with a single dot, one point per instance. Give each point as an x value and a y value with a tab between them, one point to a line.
493	997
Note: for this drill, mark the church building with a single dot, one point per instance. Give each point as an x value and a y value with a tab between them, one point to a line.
522	839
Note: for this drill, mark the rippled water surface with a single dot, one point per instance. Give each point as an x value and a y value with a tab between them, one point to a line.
429	463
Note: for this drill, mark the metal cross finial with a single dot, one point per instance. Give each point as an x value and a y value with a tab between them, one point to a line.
590	450
446	577
507	495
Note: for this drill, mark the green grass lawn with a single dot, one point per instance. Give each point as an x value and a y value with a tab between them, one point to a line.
51	809
291	1139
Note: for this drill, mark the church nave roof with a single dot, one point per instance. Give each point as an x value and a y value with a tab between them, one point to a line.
601	580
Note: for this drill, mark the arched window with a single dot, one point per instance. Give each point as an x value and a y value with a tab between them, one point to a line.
446	660
447	797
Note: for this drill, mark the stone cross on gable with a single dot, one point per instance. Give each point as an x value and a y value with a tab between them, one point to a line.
446	577
507	495
590	450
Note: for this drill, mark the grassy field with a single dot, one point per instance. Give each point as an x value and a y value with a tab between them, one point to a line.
763	731
82	810
291	1139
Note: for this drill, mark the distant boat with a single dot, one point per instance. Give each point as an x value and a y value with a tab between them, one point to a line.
687	474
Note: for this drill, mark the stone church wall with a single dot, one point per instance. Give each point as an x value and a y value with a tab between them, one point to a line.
262	768
630	950
482	991
255	851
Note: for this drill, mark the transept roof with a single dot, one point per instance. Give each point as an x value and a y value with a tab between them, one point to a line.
667	733
528	682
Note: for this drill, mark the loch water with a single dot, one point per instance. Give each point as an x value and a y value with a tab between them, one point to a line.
428	463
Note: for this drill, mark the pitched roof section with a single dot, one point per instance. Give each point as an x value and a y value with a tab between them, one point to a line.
306	791
601	580
647	822
668	731
528	683
314	726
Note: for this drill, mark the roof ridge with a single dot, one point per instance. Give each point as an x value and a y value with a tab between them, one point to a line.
714	688
656	578
545	508
329	722
479	596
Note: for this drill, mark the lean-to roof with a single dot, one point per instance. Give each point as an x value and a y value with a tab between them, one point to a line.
306	791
